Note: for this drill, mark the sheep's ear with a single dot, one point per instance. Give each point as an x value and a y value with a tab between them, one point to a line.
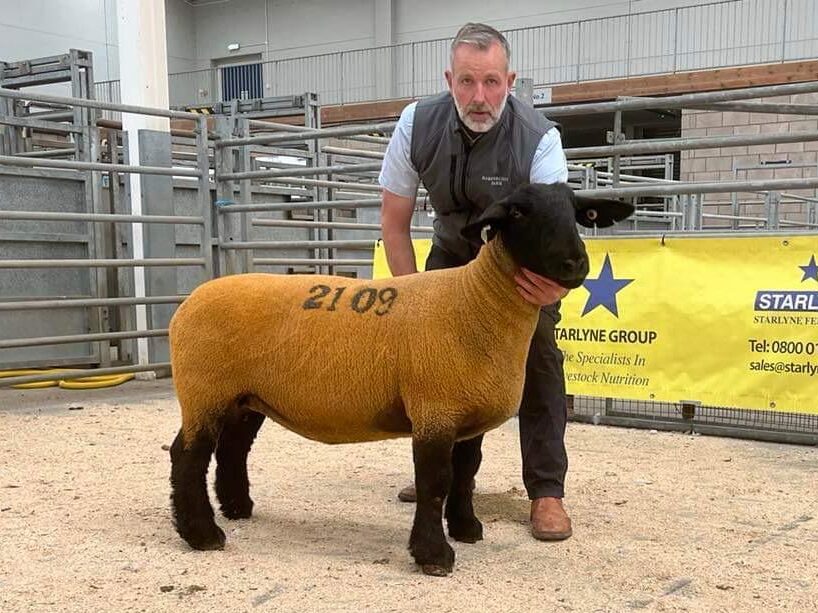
600	212
493	217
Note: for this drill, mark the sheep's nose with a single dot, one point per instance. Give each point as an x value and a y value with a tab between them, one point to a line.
573	268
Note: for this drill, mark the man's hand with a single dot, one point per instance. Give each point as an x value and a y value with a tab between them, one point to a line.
538	290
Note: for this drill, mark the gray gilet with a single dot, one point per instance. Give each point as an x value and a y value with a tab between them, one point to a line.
462	178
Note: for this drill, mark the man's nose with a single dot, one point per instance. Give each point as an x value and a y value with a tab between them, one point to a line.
479	94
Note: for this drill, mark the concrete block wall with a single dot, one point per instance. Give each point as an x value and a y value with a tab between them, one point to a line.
718	164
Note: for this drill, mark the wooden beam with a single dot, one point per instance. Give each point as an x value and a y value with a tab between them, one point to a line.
687	82
366	111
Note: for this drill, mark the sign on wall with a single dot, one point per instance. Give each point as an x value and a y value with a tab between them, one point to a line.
724	321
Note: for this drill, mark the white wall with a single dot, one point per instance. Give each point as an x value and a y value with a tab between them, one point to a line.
39	28
297	28
427	19
180	25
200	30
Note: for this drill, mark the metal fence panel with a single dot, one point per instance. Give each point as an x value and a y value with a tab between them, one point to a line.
44	240
801	34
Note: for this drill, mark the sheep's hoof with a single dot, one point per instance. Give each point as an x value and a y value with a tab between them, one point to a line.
466	530
237	509
208	538
435	570
437	560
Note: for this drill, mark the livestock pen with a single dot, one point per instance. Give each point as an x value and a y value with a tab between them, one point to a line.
663	520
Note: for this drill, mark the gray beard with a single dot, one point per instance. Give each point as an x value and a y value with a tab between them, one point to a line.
480	127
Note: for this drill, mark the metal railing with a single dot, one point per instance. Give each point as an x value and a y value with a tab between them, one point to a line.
727	33
100	222
324	214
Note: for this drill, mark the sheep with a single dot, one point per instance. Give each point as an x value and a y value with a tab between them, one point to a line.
439	356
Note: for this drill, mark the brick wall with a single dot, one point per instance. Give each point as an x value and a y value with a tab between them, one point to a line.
712	165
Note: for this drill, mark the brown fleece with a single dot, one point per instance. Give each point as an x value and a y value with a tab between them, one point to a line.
433	354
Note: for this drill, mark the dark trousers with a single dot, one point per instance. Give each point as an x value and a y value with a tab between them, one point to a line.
543	410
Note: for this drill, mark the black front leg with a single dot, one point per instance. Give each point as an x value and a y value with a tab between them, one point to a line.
433	477
463	525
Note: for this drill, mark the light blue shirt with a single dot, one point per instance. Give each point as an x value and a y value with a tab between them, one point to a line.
399	176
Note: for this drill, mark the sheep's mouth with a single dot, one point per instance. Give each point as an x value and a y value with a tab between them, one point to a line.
570	283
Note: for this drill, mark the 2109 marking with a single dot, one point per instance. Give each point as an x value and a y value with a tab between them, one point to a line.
362	301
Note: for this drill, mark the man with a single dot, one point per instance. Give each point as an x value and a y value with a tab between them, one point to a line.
471	146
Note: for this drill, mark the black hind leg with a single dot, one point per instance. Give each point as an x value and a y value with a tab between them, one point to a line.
232	484
192	512
463	525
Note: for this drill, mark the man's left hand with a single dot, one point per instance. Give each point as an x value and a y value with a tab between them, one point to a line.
538	290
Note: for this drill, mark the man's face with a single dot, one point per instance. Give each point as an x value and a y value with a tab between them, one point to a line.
479	81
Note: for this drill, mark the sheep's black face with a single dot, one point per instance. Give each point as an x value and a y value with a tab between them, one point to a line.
540	232
538	226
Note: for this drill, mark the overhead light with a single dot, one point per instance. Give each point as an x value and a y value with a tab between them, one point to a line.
233	46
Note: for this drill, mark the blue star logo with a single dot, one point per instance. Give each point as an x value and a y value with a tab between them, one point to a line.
603	289
810	270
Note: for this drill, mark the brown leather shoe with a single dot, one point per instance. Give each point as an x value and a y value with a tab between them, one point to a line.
408	494
549	521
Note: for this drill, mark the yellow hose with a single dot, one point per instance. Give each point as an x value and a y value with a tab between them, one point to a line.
84	383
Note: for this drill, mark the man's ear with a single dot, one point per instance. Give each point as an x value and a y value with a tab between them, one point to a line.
600	212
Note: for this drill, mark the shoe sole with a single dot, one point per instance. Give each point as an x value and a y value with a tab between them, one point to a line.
552	536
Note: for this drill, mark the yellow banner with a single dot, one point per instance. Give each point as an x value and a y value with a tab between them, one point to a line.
723	321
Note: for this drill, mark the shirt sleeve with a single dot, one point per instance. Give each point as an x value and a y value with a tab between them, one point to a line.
398	174
549	165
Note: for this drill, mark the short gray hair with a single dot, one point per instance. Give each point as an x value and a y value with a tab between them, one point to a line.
481	36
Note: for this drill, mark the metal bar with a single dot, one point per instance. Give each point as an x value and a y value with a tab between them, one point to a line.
93	263
797	197
338	225
95	104
47	153
297	172
706	429
617	132
58	115
74	303
303	135
117	125
86	166
757	107
311	204
270	126
307	244
702	188
38	124
362	153
643	213
682	144
104	217
41	173
634	178
734	217
366	187
377	140
309	262
77	338
79	374
681	101
203	193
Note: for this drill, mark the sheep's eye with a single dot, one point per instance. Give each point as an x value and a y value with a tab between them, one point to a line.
515	213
